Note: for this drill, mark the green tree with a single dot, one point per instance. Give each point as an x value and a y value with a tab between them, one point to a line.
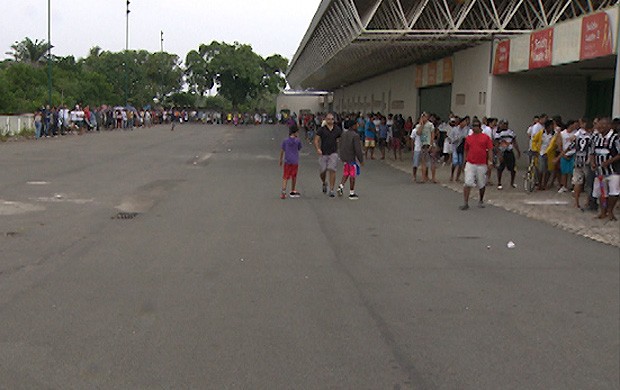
28	85
239	74
183	99
216	103
149	75
29	51
274	69
199	77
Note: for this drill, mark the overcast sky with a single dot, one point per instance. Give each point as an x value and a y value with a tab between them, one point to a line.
269	26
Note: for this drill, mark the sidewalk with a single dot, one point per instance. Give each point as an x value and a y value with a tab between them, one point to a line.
547	206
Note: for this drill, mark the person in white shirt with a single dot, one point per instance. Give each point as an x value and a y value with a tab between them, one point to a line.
457	137
538	125
417	153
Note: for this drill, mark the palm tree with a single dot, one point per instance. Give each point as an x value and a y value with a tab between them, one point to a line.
29	51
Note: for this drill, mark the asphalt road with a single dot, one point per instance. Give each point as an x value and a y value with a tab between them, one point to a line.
219	284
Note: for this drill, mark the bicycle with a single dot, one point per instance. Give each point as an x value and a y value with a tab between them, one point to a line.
531	175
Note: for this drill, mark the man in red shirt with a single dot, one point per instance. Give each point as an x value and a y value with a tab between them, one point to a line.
479	158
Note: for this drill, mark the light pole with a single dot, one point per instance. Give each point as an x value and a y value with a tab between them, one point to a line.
161	75
49	53
127	54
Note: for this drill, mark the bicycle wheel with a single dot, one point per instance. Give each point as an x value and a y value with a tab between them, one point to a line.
530	180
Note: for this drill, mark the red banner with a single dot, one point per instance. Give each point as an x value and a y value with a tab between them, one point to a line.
431	78
419	75
502	58
447	70
541	48
595	36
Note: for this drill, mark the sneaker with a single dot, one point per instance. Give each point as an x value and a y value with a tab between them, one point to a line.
481	205
282	195
514	185
332	194
562	190
294	194
464	207
340	190
325	188
353	197
500	187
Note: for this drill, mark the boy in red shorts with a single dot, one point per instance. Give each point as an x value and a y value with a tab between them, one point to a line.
350	154
289	154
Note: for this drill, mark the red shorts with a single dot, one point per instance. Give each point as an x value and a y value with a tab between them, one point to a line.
290	171
349	170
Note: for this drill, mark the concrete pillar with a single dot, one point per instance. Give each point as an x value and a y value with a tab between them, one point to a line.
615	109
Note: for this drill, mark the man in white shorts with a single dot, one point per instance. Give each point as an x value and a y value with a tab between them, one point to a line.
479	159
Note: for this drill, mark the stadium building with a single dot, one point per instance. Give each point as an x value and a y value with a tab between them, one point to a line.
504	58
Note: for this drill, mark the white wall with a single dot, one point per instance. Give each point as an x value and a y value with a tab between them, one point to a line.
296	103
519	96
379	93
15	124
471	79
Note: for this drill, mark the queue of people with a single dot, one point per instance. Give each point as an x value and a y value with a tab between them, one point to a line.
580	156
61	120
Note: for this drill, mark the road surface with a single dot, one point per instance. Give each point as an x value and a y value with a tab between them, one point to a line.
159	259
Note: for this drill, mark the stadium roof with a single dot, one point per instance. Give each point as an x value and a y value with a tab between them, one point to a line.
352	40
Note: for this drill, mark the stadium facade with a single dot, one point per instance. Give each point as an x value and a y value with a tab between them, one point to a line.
503	58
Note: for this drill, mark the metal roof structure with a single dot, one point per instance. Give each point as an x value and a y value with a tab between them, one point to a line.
352	40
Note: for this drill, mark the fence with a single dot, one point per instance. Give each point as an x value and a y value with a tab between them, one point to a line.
15	124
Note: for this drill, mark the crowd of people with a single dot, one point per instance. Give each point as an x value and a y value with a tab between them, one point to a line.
580	156
61	120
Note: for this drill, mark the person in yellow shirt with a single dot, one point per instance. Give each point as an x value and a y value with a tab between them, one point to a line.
545	143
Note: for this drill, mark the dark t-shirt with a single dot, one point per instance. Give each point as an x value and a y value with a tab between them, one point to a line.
329	143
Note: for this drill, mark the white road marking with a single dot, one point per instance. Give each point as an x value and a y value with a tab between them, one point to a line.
12	208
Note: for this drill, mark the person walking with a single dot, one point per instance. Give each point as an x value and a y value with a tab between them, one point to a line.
289	158
479	159
326	144
350	154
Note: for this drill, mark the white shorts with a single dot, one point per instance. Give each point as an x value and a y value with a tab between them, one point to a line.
612	186
475	175
579	176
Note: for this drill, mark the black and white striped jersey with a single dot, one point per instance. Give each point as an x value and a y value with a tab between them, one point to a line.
605	147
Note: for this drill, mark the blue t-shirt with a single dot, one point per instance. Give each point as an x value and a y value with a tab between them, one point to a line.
383	131
369	130
291	147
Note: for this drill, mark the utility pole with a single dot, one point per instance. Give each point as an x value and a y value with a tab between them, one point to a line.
127	55
49	53
161	75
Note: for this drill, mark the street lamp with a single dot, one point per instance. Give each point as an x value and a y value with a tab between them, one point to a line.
49	53
127	54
